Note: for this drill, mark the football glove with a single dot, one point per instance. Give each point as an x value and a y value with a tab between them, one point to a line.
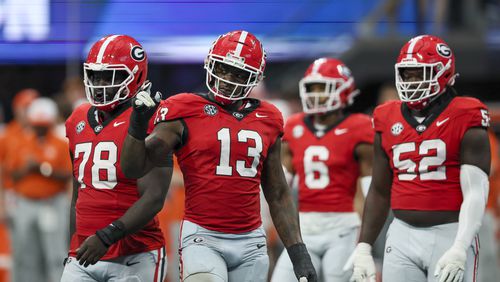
144	106
361	261
450	267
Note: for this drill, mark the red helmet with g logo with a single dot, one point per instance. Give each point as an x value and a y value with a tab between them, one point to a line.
431	57
240	50
327	85
115	69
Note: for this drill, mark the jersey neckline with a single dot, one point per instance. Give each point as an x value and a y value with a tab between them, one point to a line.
308	121
93	119
249	105
435	110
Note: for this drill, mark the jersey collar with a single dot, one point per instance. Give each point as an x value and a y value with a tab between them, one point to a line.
432	112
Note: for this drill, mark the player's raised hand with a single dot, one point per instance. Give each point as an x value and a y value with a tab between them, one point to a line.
144	104
362	264
145	101
450	267
91	251
302	264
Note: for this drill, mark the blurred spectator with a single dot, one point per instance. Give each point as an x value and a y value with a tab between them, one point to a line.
72	95
13	132
389	10
488	256
387	92
40	169
170	218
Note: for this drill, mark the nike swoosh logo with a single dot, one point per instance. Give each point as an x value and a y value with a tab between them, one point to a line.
260	246
440	122
118	123
339	131
129	263
260	116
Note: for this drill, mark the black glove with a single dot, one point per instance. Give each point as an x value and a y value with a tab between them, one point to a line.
302	265
144	106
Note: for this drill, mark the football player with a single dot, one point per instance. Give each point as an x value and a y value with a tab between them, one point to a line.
432	158
328	151
227	145
114	232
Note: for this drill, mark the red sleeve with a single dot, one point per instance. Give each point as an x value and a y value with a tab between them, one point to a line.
378	122
176	107
275	117
479	115
365	131
291	122
287	132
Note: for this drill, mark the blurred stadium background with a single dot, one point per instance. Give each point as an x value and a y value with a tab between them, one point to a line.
44	42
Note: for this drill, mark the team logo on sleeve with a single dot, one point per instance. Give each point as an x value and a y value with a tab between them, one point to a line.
80	127
210	110
397	128
298	131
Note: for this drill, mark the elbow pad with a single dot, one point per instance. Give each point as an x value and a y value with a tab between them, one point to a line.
475	187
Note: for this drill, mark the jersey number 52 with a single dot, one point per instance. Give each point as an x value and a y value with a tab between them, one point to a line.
408	168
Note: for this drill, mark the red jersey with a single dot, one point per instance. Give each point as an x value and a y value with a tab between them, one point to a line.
325	160
425	157
105	194
221	158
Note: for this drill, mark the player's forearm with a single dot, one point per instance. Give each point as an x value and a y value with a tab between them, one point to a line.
285	218
140	214
374	215
133	160
475	187
153	189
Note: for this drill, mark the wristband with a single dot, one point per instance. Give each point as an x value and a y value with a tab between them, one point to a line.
138	127
111	233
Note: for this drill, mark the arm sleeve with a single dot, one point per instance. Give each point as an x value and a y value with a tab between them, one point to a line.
475	185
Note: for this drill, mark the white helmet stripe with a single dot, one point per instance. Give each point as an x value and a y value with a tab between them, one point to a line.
412	45
240	44
103	48
317	64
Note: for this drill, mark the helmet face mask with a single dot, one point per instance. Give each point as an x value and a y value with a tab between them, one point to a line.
106	86
424	69
321	95
115	69
229	81
327	86
420	87
234	66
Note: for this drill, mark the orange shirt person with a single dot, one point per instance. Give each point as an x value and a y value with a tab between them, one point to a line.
10	136
40	170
